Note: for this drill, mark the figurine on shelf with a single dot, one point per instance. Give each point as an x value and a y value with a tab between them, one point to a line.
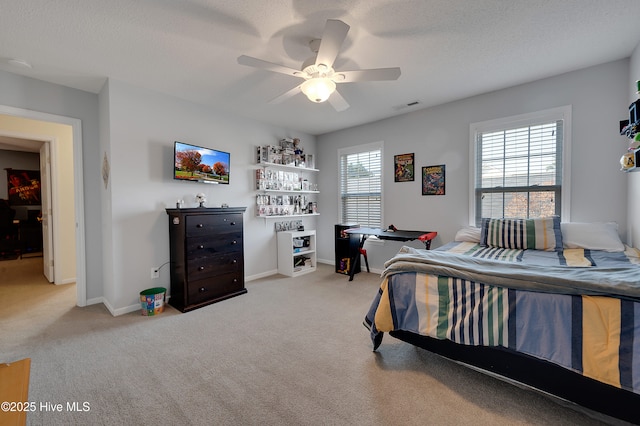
201	199
627	161
298	153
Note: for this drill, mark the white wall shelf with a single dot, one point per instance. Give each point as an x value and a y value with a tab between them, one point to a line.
279	216
287	167
284	189
287	191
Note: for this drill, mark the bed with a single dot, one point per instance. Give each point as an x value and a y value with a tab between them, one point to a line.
552	306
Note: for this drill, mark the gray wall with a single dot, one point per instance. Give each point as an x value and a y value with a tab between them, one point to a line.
27	93
126	223
633	194
440	135
137	133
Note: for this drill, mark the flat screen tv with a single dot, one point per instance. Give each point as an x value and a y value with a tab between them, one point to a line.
198	164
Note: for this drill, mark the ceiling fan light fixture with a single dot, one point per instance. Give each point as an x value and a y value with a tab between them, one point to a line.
318	89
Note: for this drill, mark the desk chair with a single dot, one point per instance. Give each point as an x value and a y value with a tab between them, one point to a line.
366	261
426	239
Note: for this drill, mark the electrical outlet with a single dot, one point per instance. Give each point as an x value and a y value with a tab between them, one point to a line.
155	273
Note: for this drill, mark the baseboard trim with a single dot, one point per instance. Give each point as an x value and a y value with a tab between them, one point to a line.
94	301
261	275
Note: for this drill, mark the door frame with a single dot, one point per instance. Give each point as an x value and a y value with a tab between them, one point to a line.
76	125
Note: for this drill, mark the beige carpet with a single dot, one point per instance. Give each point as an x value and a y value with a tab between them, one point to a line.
289	352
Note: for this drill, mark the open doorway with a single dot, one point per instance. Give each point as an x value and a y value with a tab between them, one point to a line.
66	215
25	191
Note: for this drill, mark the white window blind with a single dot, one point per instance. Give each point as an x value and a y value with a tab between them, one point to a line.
361	185
519	171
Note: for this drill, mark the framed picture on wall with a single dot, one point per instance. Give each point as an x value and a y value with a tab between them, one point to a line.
403	167
433	180
24	187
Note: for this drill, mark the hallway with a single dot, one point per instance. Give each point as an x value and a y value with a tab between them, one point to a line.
28	302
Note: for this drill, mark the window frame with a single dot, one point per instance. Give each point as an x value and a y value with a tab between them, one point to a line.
524	120
373	146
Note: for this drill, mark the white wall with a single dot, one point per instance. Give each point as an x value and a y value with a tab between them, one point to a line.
633	194
440	135
138	134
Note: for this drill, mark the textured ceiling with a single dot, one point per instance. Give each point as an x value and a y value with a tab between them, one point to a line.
446	49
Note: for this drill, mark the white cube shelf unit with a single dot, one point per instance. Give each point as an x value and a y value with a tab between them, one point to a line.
296	252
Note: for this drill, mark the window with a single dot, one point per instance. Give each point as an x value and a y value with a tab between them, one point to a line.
518	166
361	185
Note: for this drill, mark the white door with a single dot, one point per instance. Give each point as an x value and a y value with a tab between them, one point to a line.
47	231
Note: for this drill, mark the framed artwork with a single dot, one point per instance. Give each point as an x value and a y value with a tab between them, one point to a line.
433	180
403	168
24	187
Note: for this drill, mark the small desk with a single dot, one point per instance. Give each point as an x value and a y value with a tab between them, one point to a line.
386	234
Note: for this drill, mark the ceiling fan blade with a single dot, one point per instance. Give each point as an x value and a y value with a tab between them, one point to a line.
378	74
338	102
286	95
269	66
335	32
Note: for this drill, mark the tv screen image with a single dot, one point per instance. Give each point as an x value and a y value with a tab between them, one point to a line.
199	164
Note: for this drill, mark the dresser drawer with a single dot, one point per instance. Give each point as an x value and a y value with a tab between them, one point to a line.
212	245
205	290
196	225
205	267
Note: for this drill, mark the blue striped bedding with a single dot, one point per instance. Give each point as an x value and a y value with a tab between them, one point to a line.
595	335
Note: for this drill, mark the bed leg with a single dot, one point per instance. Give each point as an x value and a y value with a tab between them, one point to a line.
377	340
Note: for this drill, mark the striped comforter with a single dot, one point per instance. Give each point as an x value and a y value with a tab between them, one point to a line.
597	336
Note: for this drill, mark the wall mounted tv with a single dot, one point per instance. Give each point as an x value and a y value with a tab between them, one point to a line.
199	164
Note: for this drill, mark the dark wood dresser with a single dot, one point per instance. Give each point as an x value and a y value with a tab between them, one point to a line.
207	256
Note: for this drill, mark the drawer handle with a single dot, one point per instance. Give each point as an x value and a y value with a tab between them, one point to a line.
234	242
199	225
234	261
202	289
200	268
201	246
235	280
232	223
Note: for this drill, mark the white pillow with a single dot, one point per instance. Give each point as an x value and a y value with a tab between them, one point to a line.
469	234
593	236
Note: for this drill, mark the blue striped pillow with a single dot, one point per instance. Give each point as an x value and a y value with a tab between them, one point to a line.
538	234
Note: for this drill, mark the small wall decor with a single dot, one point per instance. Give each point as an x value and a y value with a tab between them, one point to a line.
105	170
433	180
403	167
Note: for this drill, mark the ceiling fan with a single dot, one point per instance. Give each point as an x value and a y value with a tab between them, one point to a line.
320	78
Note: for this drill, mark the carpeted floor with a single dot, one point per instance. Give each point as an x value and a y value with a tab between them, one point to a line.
289	352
